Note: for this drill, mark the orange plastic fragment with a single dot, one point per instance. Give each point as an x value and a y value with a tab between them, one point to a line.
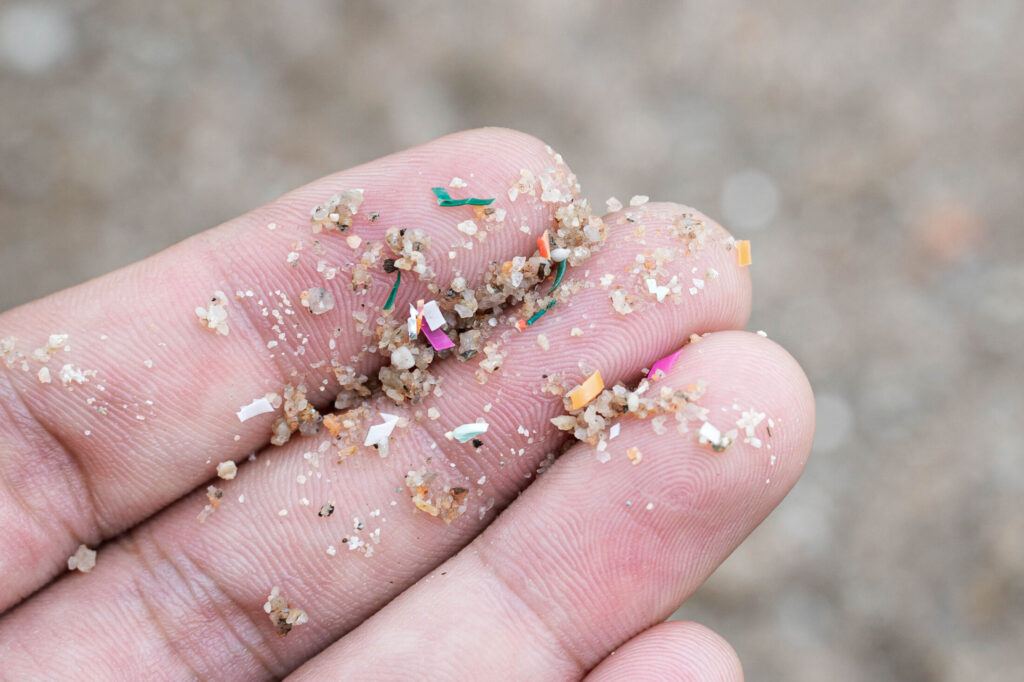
506	267
543	245
587	391
521	324
743	252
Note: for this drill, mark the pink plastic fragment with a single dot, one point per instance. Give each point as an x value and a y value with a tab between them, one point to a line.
663	366
438	339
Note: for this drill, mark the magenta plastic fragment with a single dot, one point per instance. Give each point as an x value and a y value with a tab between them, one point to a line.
438	339
664	365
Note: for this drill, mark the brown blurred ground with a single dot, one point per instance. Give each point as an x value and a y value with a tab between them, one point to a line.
872	151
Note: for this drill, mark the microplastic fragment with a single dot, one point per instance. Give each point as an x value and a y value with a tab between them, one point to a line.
257	407
394	290
743	252
444	200
614	431
559	274
413	324
379	433
659	291
544	245
587	391
467	432
711	435
663	366
536	315
437	338
432	315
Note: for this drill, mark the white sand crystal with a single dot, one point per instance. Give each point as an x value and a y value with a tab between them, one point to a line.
84	559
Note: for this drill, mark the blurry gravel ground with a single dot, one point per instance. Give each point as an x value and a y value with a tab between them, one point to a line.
872	151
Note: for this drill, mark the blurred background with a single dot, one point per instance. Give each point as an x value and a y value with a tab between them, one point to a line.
872	151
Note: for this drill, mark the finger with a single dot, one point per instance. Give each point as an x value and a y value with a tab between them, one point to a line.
82	461
676	650
595	553
246	548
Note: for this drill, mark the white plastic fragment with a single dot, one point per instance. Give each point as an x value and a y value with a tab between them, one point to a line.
467	432
432	315
257	407
709	434
559	255
378	434
413	331
613	431
659	291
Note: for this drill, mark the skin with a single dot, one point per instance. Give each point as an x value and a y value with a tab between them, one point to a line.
559	574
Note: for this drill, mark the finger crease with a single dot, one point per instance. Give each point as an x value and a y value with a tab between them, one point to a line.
568	654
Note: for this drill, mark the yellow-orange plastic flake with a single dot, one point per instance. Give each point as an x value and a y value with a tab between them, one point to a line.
587	391
743	253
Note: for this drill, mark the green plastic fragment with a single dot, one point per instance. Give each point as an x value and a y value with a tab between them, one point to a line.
558	277
444	200
394	291
559	274
536	315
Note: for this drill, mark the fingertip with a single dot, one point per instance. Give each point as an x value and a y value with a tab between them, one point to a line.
717	267
674	650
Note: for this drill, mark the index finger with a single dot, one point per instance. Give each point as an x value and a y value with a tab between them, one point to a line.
131	399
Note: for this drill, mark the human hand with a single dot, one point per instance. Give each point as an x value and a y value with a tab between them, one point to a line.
513	578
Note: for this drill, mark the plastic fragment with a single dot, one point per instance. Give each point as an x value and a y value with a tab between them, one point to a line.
437	338
743	252
660	291
432	315
662	367
587	391
544	245
711	435
394	291
378	434
536	315
559	274
443	199
257	407
468	432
